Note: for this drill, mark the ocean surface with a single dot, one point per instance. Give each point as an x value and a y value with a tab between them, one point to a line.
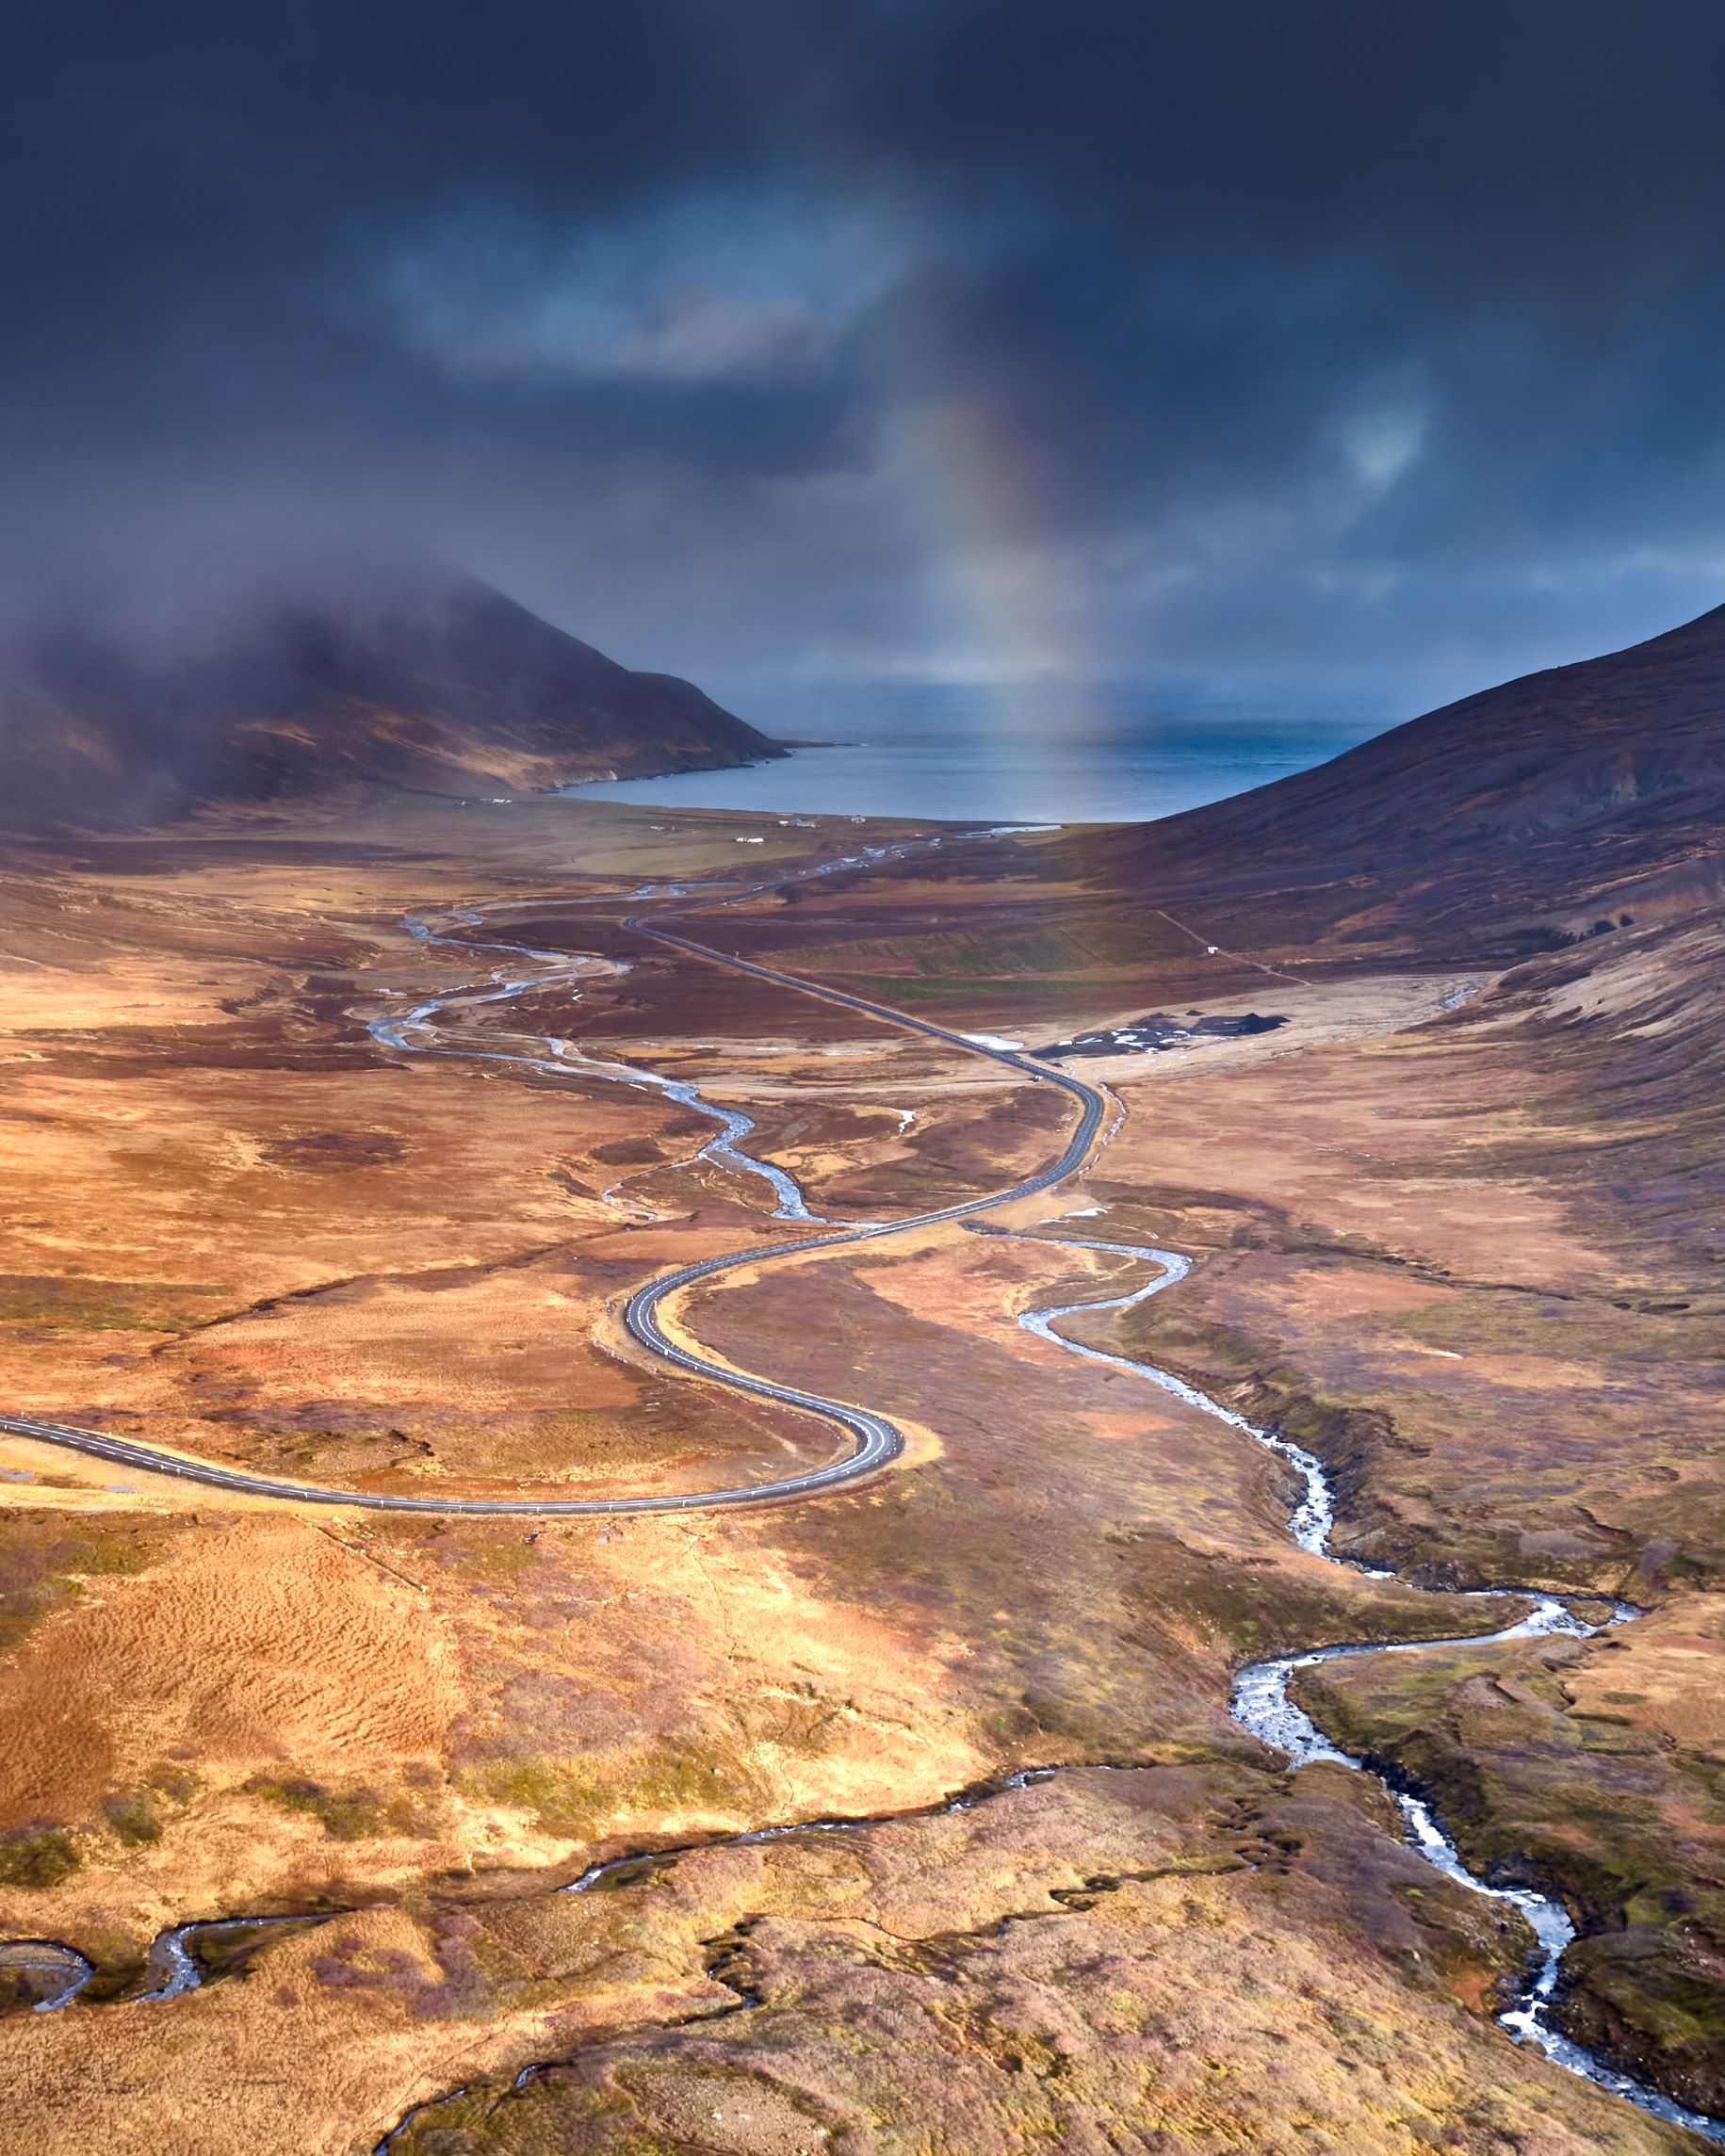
951	750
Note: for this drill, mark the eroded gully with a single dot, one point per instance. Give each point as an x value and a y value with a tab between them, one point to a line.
1260	1701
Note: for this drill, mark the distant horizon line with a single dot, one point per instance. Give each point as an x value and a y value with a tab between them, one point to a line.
1181	689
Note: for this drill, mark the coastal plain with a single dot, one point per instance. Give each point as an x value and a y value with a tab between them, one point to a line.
1430	1245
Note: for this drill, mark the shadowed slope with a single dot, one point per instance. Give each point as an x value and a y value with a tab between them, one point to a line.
1549	793
448	687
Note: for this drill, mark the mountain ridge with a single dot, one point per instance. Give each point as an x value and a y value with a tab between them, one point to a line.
451	687
1521	803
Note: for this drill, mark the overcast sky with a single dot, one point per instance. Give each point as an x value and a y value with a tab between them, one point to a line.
1336	349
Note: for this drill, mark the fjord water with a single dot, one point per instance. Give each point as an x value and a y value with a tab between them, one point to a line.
1096	755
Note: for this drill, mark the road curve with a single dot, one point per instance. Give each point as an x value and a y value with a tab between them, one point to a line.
875	1440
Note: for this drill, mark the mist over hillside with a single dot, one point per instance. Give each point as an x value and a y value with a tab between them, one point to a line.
446	686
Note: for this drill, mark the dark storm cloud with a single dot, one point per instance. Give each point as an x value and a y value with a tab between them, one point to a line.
1318	344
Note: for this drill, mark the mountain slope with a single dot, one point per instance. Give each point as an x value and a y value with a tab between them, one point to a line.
451	688
1554	792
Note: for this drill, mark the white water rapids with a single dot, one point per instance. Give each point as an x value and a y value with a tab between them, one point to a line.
1260	1702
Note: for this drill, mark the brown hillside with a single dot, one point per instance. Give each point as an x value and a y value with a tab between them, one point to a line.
1564	789
451	689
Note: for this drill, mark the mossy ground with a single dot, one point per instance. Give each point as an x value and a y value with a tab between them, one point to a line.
1628	1829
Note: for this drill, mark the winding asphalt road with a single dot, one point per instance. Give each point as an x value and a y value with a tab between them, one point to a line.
876	1441
1260	1702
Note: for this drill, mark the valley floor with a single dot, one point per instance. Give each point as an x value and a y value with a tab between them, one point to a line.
1451	1232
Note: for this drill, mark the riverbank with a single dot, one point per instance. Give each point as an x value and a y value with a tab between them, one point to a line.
471	1713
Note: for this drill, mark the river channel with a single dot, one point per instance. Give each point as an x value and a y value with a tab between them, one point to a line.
1260	1701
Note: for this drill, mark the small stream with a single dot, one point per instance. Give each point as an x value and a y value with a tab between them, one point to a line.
1260	1702
391	1029
415	1033
174	1961
58	1972
170	1964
